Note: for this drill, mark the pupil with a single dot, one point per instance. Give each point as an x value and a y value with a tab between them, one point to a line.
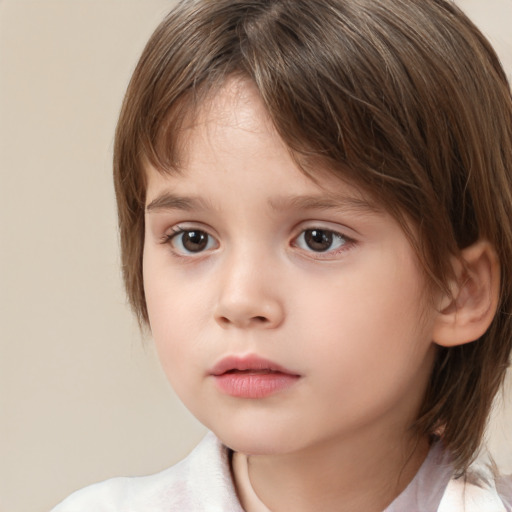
195	241
318	240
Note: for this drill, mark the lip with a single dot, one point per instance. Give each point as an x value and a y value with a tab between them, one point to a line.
251	376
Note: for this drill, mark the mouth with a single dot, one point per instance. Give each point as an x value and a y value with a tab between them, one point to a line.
252	377
250	372
248	364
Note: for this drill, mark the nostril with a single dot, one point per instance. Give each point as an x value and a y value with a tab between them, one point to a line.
223	320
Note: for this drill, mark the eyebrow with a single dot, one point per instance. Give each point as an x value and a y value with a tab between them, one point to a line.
167	201
324	202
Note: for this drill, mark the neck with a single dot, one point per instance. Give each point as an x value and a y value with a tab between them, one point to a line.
367	474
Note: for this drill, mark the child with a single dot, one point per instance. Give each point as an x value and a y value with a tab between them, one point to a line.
314	203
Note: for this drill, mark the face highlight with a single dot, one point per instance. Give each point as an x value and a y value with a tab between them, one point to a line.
286	312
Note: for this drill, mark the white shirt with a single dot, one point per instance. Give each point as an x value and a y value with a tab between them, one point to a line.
202	483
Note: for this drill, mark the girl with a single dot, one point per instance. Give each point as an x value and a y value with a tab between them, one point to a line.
314	201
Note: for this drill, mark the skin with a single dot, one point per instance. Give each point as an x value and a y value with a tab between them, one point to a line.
351	321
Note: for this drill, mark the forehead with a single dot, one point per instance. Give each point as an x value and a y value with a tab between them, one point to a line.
231	135
235	107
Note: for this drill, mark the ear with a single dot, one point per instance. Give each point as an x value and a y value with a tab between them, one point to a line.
467	312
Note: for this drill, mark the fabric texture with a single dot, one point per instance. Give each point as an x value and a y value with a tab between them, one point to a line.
200	483
203	483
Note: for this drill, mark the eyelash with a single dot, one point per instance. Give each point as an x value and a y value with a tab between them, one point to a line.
345	242
179	231
331	236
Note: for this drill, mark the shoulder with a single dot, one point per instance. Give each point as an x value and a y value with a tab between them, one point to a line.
504	488
481	489
201	482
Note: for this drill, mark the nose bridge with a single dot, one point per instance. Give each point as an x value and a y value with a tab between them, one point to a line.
248	292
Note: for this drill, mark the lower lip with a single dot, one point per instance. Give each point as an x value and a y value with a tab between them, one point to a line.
254	385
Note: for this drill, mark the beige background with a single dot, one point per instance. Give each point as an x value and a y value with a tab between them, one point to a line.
81	399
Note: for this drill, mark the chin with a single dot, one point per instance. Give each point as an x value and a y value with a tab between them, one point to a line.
256	440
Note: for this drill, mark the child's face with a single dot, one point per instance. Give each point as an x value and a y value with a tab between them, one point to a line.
246	257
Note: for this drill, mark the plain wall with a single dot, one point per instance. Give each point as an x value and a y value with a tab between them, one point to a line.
82	398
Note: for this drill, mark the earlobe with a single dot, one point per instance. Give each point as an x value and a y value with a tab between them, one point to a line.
467	313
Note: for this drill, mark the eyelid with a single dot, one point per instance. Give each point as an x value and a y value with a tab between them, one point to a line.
181	227
338	230
178	229
334	227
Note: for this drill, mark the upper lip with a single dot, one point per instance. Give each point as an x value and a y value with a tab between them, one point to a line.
250	362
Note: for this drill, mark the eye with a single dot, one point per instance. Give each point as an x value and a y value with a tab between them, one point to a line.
320	240
191	241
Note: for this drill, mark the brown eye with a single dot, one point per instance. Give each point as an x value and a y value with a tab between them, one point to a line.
192	241
320	240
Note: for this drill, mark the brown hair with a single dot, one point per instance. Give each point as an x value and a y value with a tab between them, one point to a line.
406	98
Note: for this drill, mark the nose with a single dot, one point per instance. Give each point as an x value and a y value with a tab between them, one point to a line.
249	296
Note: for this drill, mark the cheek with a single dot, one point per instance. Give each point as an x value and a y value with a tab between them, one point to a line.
178	315
365	350
173	304
177	340
369	321
166	305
